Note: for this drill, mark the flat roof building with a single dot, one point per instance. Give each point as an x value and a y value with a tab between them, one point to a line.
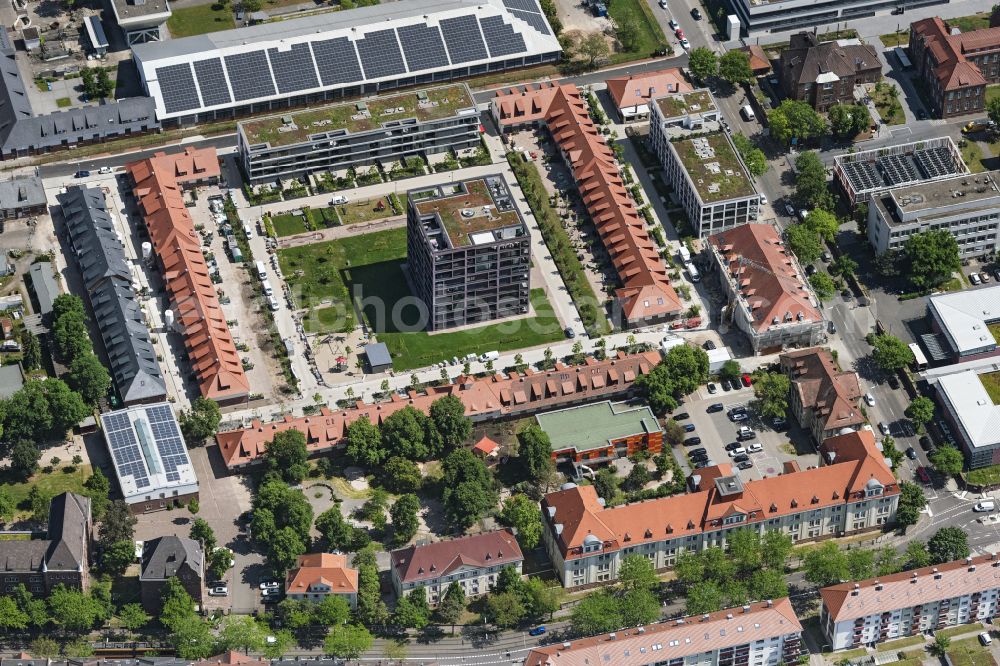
764	633
974	417
700	162
11	380
349	53
20	197
142	20
151	461
960	324
966	205
469	252
43	282
633	93
379	358
865	174
760	17
601	432
378	129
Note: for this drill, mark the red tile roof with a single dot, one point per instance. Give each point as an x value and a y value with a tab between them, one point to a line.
768	275
416	564
759	62
952	69
646	291
210	346
490	397
849	601
638	89
581	514
324	568
486	446
832	394
674	639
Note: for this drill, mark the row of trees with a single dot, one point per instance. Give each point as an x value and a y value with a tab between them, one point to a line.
682	371
409	434
87	375
733	66
632	602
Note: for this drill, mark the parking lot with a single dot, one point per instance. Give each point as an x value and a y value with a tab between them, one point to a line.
716	430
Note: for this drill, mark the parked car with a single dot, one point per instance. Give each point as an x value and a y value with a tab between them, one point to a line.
984	276
338	200
741	458
712	388
685	44
673	24
746	380
696	14
869	399
883	427
973	277
831	327
715	407
984	638
756	447
779	423
985	505
537	631
923	475
921	114
269	585
746	435
695	453
746	464
82	174
738	416
893	382
996	274
663	4
105	169
692	441
683	416
925	443
738	451
733	446
701	464
679	32
570	333
218	591
911	453
763	199
688	427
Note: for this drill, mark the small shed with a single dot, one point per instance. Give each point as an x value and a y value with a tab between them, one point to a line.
95	33
379	359
11	380
486	449
258	17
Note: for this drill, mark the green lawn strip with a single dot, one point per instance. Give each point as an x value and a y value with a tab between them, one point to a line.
322	218
325	320
972	154
901	643
889	108
970	23
200	19
419	349
846	654
969	652
288	225
959	630
51	484
63	102
991	382
649	35
984	476
895	39
366	211
992	92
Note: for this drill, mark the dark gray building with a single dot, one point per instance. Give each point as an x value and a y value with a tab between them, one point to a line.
62	558
43	281
108	279
380	129
168	557
825	73
468	252
20	197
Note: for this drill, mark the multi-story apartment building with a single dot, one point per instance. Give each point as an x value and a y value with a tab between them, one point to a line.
956	68
473	562
866	174
379	129
469	252
587	541
766	633
20	197
910	603
317	576
61	558
170	557
770	300
759	17
967	206
826	73
710	181
960	325
973	417
824	399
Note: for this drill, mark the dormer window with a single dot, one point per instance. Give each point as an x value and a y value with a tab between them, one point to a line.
735	518
591	544
873	488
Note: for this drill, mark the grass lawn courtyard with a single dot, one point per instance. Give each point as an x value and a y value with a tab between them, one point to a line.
991	382
895	39
888	104
968	652
368	210
649	35
200	19
970	23
370	267
58	481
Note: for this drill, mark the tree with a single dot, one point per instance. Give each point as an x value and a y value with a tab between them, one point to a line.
823	286
771	393
752	156
373	510
703	63
12	618
637	478
411	611
826	565
371	609
534	453
364	443
404	519
118	524
767	584
940	645
202	532
448	418
348	641
201	421
24	459
627	32
734	66
824	223
337	532
284	549
688	368
948	460
606	484
31	350
993	110
810	180
278	644
133	617
933	257
36	609
948	544
242	632
704	597
192	638
88	377
282	517
66	406
804	243
97	488
505	609
452	605
176	604
673	433
73	610
43	647
400	475
220	561
911	503
921	410
796	120
521	513
637	573
775	547
890	353
468	488
843	266
597	613
287	456
848	120
117	558
916	555
70	335
860	563
38	503
7	505
404	434
594	47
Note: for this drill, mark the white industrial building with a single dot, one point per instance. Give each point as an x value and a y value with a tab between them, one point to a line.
973	416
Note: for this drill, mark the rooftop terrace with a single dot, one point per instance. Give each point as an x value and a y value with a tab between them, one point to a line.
593	426
684	104
470	208
964	190
713	166
359	116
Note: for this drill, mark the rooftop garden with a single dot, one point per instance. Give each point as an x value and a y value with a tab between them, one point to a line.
991	382
461	227
696	101
719	167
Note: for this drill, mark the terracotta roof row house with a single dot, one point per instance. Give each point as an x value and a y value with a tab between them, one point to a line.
956	67
772	303
826	73
646	293
824	398
496	396
318	575
587	540
472	562
157	185
633	93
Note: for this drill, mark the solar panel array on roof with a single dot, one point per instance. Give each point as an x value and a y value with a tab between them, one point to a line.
935	162
168	439
536	21
523	5
249	75
124	448
862	175
177	88
293	69
337	61
380	54
422	46
501	39
464	41
897	169
212	82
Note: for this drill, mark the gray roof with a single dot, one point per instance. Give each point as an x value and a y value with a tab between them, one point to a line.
108	279
378	354
162	557
22	193
11	379
69	519
23	555
43	279
811	61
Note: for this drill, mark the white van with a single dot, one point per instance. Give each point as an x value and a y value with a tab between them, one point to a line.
692	272
489	356
268	291
684	254
272	302
747	113
261	270
985	505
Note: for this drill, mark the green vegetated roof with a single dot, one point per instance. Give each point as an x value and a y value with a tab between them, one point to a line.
593	426
460	228
359	115
711	161
681	104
